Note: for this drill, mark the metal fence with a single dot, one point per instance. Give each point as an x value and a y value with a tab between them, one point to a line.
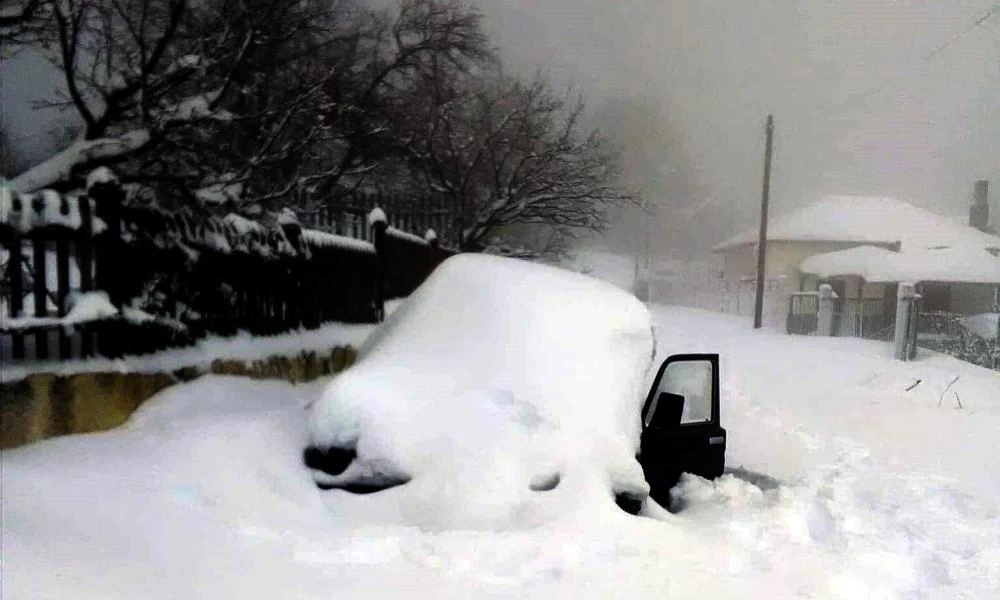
865	318
870	319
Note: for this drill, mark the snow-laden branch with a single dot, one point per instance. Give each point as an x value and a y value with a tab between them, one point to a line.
81	155
193	108
226	189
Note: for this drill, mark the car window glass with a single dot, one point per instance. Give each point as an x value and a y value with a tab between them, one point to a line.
692	380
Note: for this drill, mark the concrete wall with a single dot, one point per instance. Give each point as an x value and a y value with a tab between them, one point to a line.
46	405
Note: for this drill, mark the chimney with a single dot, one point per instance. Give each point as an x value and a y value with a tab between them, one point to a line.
979	214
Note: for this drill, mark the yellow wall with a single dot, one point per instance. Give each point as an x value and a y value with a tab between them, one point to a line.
44	405
739	263
873	290
783	258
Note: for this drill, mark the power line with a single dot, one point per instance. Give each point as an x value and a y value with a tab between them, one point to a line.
879	90
978	22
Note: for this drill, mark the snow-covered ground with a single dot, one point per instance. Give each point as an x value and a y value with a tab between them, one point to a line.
853	476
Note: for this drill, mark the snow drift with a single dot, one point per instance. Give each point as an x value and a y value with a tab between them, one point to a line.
500	394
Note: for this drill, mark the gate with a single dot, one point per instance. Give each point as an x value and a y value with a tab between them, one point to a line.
803	313
866	318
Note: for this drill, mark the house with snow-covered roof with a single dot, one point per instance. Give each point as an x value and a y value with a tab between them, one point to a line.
863	246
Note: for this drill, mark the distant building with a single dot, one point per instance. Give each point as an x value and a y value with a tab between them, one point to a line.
863	246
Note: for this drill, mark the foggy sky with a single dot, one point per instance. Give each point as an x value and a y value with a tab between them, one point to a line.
859	107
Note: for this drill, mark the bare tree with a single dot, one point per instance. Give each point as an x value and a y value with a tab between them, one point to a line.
241	103
134	70
363	114
509	153
224	98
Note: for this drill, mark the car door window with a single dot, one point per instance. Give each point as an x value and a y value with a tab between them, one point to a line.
691	379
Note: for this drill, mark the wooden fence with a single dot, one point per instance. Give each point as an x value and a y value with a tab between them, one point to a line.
88	274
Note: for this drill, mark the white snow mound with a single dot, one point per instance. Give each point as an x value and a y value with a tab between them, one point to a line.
496	375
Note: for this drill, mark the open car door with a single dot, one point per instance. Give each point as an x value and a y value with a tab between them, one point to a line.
681	429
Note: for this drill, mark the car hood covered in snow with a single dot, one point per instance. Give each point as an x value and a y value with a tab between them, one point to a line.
503	393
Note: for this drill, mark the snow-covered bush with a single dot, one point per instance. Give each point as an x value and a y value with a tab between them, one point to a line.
965	338
502	393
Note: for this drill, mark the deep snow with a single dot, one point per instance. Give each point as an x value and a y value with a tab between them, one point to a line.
842	485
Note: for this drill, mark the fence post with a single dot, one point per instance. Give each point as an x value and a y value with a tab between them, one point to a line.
377	220
911	334
905	296
62	281
435	254
85	265
40	264
996	332
824	316
108	197
16	270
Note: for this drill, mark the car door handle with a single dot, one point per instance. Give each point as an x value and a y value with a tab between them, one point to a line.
715	440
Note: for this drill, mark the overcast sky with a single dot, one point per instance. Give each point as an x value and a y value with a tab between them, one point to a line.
859	106
686	85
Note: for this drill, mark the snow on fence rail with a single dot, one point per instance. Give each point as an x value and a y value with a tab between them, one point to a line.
347	215
172	278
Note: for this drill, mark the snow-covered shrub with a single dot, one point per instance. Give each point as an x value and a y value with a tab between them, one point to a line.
961	337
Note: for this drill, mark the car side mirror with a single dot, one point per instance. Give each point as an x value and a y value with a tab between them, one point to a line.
684	392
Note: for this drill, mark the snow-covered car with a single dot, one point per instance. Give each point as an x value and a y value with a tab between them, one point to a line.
506	393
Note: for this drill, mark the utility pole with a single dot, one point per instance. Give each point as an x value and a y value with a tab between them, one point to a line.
758	309
645	248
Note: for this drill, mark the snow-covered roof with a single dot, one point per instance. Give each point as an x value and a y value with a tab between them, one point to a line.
868	220
967	265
